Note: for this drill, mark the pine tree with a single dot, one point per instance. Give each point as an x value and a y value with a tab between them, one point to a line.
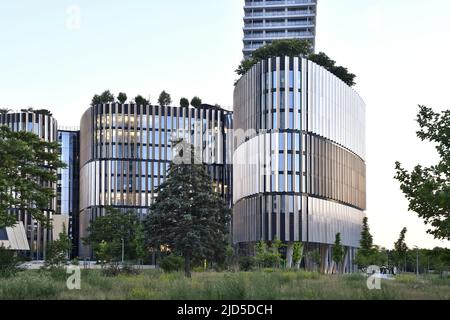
338	251
401	249
366	254
188	216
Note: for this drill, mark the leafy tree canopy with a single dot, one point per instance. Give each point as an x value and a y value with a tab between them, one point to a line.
58	251
106	234
196	102
164	99
184	103
188	216
141	101
26	161
295	48
122	97
105	97
428	188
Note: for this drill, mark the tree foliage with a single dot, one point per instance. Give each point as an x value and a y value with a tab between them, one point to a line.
366	254
141	101
184	103
401	249
188	216
297	254
106	234
122	97
164	99
26	161
296	48
196	102
58	251
428	188
104	98
338	251
9	263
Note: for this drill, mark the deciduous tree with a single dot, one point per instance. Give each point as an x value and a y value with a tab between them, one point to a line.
428	188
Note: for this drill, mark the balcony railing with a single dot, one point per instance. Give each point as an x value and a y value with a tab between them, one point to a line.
279	14
279	24
277	3
278	35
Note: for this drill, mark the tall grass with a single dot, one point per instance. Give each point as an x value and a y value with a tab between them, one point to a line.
259	285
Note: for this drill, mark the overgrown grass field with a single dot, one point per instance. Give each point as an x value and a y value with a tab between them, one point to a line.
260	285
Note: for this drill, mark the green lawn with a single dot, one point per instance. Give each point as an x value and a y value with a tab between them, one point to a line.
252	285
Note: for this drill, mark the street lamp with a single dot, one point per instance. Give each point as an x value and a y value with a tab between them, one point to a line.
417	260
123	250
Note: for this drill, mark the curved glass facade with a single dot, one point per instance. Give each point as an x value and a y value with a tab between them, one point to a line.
299	168
126	151
46	128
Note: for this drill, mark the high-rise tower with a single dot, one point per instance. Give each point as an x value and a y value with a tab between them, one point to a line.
268	20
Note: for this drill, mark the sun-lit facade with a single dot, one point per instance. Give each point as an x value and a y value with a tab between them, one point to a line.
127	149
299	162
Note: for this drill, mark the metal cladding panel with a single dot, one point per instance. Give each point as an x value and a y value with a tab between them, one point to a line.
17	238
299	137
126	151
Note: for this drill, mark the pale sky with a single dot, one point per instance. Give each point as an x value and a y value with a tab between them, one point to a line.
398	49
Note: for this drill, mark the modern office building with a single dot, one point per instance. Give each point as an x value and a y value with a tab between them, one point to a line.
269	20
299	160
127	149
45	127
68	188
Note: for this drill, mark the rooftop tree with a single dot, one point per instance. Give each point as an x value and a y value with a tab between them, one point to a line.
295	48
104	98
164	99
141	101
122	97
196	102
184	103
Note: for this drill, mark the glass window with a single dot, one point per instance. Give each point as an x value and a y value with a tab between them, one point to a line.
274	121
281	183
291	120
274	80
289	182
291	100
281	141
289	161
282	79
282	98
274	100
281	162
291	78
297	183
297	162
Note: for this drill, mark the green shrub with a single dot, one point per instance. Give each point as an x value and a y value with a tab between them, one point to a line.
172	263
129	270
8	263
246	263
